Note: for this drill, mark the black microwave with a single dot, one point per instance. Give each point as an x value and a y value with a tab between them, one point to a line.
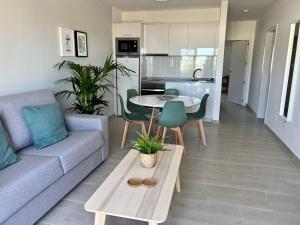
127	46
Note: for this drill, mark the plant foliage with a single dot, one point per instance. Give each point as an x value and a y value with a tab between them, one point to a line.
90	84
148	145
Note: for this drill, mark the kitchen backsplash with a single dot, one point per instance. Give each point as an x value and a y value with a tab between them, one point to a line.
178	66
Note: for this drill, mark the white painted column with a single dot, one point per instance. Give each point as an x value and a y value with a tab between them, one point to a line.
220	61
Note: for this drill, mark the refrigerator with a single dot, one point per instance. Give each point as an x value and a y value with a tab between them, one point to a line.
123	83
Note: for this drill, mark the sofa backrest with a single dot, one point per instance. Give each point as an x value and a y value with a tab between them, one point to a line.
11	114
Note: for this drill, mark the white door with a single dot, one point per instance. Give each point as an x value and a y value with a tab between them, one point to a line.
239	50
156	38
178	39
266	71
124	83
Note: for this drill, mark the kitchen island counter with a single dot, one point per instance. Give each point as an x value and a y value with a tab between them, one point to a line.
198	90
176	79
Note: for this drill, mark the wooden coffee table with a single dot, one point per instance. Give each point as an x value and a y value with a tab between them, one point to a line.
151	204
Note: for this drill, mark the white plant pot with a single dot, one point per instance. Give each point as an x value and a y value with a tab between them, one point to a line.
148	160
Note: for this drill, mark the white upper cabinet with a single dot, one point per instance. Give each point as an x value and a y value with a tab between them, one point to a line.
178	39
181	39
203	38
156	39
127	29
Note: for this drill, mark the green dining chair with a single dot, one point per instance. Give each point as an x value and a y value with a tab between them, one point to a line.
134	108
198	116
172	117
171	91
131	118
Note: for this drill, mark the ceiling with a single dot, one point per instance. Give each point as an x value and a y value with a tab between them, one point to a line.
236	7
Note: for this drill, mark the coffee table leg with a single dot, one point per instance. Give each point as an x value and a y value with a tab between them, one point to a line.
178	183
100	219
151	121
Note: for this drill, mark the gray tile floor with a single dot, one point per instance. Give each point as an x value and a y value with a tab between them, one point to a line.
245	176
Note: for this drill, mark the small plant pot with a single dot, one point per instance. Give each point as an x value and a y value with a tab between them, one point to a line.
148	160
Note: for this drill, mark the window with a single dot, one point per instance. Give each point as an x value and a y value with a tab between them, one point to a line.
291	73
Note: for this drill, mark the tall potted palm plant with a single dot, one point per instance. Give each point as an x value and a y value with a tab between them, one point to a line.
90	84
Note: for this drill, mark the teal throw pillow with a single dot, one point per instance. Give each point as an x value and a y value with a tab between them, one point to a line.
45	123
7	154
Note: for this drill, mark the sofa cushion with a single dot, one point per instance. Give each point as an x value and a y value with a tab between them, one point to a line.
22	181
45	123
7	155
11	114
71	151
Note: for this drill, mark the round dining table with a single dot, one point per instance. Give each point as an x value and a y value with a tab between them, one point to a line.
158	101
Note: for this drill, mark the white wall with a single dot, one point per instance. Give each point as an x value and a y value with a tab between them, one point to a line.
283	13
29	40
243	30
173	16
116	15
227	59
220	60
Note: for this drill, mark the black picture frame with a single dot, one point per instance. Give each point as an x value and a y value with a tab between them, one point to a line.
81	44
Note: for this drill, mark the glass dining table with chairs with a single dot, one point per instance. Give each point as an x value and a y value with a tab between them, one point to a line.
157	102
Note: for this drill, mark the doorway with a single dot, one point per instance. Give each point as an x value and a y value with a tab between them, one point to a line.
267	66
235	66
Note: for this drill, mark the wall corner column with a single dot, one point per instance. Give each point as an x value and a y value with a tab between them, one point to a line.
220	60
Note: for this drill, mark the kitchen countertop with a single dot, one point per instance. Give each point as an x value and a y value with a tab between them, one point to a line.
177	79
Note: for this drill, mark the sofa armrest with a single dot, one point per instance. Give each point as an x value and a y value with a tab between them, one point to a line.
84	122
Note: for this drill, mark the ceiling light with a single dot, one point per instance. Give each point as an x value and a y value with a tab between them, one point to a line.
246	10
161	0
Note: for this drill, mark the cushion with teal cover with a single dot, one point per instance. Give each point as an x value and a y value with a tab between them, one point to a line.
7	155
45	123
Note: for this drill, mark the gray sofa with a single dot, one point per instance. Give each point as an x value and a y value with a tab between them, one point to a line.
33	185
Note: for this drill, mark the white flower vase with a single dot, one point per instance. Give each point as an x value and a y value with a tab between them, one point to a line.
148	160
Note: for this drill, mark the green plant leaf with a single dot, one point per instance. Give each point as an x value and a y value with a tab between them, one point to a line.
148	145
89	84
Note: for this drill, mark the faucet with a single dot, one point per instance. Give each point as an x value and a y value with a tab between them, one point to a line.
195	71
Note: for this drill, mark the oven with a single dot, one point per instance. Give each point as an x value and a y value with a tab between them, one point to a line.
152	88
127	46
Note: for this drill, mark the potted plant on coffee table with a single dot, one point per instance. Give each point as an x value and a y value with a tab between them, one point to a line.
148	148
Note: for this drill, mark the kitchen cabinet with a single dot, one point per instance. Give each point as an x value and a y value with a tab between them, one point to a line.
156	38
203	38
178	39
181	39
196	89
127	30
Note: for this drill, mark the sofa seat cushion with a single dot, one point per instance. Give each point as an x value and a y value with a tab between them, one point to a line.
78	146
22	181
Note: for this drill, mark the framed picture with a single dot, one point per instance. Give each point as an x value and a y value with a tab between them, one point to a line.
81	46
66	41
